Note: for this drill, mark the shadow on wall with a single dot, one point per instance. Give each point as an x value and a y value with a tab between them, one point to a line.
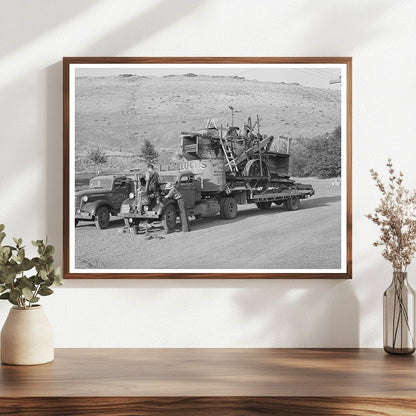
375	276
37	18
259	313
162	15
54	146
348	24
301	313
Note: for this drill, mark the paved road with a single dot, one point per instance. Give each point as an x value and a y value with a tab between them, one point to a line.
257	239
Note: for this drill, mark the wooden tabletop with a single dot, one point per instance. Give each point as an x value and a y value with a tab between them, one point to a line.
217	374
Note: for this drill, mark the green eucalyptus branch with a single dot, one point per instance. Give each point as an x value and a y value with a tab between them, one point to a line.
16	285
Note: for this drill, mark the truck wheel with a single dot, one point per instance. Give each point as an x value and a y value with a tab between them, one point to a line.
76	222
102	218
292	204
264	205
228	208
169	218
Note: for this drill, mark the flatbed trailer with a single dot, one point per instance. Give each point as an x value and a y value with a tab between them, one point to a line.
209	204
280	196
289	194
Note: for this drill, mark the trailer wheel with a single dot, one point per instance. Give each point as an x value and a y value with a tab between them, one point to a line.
102	218
228	208
264	205
292	204
169	218
255	167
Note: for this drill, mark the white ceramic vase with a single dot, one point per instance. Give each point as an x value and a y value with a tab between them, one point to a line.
27	337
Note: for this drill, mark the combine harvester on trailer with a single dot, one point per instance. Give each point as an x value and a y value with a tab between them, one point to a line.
221	169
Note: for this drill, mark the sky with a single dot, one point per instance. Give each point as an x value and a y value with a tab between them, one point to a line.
311	75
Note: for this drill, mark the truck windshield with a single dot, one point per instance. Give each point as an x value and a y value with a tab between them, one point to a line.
168	178
101	183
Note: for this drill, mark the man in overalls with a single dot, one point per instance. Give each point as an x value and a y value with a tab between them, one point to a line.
152	180
152	184
173	193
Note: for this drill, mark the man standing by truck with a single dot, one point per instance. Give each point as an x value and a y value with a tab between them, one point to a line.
152	187
173	193
152	180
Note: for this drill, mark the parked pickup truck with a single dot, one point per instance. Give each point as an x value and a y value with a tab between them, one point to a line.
102	199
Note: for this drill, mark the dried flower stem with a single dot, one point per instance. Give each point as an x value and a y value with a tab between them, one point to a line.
396	217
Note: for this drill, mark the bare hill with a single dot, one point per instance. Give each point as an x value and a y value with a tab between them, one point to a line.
118	112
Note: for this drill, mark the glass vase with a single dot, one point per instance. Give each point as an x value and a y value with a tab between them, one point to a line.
399	316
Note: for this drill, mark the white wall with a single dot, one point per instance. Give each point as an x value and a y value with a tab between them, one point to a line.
380	35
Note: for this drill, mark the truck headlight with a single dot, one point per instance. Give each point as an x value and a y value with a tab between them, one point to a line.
85	198
131	195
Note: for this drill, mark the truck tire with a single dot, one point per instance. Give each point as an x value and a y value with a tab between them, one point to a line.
292	204
169	218
264	205
228	208
102	218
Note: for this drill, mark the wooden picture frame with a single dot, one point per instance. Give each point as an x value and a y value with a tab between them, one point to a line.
89	121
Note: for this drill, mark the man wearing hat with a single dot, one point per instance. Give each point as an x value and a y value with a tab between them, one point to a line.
152	181
173	193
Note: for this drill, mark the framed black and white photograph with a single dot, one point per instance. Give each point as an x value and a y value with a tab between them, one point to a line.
207	167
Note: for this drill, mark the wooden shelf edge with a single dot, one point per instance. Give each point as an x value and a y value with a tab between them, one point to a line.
197	406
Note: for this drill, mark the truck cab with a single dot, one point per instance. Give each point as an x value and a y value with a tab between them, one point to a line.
190	188
102	199
150	208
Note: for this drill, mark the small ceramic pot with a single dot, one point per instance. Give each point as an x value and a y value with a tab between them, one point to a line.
27	337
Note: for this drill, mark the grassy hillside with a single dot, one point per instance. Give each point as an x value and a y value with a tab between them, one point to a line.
117	113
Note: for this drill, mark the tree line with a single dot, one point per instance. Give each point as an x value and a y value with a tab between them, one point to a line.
148	153
319	156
